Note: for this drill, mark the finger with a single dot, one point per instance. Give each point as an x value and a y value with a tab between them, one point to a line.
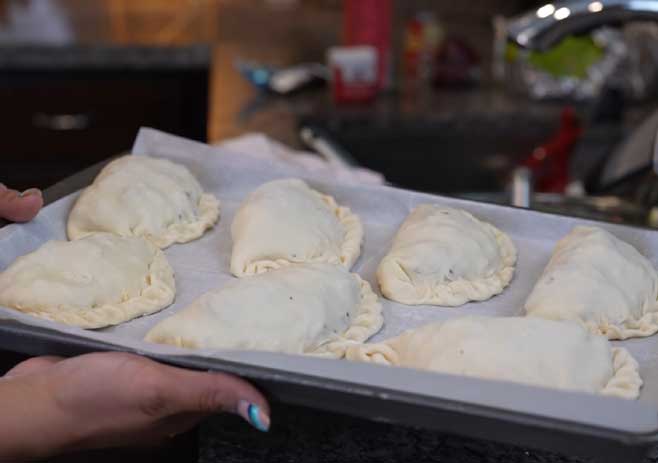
19	207
186	391
33	365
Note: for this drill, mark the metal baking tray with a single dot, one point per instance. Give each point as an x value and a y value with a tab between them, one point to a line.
608	429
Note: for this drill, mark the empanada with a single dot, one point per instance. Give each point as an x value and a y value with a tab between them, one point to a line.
304	308
600	281
533	351
100	280
143	196
444	256
285	221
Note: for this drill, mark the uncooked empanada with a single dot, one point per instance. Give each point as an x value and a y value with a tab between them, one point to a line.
100	280
305	308
444	256
143	196
600	281
285	221
533	351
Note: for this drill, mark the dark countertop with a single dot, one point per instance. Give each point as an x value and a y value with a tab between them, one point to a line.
301	435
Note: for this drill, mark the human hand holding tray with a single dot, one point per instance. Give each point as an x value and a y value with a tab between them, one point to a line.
523	415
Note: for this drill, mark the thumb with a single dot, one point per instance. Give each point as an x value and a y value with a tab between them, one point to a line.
19	207
200	392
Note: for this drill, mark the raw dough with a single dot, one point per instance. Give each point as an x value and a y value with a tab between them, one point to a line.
444	256
600	281
306	308
143	196
285	221
533	351
99	280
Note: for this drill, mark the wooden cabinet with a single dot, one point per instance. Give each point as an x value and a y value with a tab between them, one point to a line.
55	122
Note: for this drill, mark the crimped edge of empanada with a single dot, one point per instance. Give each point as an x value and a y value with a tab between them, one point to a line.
624	383
208	211
367	322
397	286
380	353
645	326
350	247
158	294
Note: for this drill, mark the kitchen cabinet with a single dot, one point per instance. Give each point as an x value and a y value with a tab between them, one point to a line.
64	109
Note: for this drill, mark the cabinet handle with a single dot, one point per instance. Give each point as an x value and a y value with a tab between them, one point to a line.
61	122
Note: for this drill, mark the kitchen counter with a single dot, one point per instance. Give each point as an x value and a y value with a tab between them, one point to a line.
301	435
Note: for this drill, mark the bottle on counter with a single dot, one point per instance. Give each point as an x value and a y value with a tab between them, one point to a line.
368	22
422	36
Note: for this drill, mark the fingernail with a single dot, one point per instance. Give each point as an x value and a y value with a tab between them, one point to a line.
31	191
254	415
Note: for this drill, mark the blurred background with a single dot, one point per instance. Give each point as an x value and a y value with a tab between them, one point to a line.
519	102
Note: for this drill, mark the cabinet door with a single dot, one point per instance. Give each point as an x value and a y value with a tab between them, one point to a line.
56	123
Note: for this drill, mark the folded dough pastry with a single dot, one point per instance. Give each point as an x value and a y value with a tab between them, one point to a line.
99	280
285	221
143	196
600	281
444	256
306	308
533	351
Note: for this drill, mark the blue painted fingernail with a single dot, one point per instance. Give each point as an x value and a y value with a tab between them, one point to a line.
254	415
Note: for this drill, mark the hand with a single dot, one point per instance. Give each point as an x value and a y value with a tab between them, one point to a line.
52	405
19	207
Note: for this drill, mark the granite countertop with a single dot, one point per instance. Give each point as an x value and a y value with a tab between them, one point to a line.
300	435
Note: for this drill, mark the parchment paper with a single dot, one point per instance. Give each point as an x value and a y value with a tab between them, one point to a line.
204	264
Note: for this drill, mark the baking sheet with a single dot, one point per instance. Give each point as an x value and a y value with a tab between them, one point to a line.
203	265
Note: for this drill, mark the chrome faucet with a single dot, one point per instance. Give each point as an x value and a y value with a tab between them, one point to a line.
545	26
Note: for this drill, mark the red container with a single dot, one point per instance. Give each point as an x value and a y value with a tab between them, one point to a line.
354	73
368	22
549	162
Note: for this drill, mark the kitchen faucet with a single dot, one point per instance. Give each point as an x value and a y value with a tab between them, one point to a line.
544	27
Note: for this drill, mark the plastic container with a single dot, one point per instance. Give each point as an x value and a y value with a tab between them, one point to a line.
353	72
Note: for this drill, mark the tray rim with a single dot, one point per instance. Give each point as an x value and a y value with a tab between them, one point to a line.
556	434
